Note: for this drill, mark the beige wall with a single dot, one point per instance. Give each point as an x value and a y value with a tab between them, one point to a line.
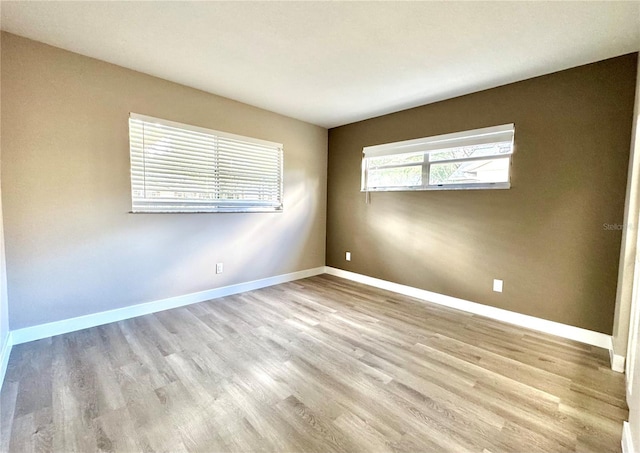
73	248
4	303
544	237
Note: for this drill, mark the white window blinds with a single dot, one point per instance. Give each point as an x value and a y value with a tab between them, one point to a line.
181	168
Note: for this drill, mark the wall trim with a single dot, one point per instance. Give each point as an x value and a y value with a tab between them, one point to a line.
531	322
51	329
617	361
627	440
4	357
41	331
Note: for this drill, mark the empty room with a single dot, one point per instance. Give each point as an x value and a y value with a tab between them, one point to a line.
319	226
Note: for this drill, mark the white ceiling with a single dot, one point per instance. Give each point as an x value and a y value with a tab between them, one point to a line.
332	63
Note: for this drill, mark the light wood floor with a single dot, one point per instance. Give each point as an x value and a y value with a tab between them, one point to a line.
318	365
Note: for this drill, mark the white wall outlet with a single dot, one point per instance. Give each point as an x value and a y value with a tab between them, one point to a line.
497	285
219	268
348	256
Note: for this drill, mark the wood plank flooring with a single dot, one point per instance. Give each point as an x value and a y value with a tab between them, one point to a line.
317	365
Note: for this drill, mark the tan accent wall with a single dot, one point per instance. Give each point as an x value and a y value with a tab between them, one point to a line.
73	248
546	237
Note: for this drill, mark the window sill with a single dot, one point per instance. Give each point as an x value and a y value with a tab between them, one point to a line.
491	186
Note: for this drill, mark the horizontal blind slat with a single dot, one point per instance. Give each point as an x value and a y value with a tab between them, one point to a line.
205	154
151	135
155	184
190	165
201	176
492	134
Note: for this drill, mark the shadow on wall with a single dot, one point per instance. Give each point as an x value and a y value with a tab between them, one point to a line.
475	234
262	245
137	258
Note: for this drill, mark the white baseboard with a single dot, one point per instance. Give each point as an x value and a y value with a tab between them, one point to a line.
51	329
551	327
41	331
5	352
617	361
627	439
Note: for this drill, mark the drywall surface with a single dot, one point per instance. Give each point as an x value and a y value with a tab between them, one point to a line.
553	238
627	319
4	304
628	253
72	246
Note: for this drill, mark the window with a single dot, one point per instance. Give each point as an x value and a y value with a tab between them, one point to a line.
477	159
180	168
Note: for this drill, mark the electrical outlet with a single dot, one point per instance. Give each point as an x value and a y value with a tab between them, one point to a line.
219	268
497	285
348	256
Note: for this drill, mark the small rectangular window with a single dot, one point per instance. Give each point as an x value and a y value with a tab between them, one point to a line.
181	168
476	159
